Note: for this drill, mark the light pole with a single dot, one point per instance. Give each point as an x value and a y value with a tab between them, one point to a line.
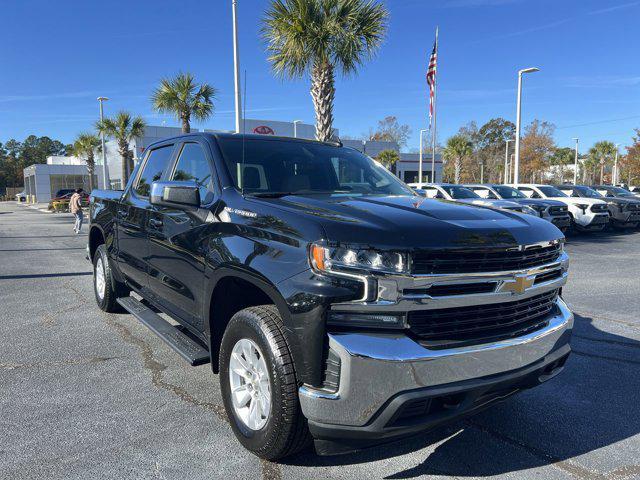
614	180
105	173
516	168
481	172
295	128
575	166
506	161
422	132
236	63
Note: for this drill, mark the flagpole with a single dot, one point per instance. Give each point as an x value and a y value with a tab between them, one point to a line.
433	132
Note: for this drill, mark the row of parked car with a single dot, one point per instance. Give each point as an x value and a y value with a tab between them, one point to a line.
583	208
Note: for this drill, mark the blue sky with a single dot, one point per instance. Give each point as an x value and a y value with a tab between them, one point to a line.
57	57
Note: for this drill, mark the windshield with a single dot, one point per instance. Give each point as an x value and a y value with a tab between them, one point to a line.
620	192
509	192
588	192
551	191
274	167
459	192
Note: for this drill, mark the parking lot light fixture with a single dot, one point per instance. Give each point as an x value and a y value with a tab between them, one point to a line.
575	169
295	128
614	179
516	168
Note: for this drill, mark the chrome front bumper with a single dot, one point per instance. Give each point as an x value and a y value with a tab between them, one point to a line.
376	367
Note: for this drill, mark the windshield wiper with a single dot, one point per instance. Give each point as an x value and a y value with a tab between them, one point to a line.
298	192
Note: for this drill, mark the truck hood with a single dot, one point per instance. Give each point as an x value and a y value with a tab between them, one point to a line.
577	200
538	202
407	222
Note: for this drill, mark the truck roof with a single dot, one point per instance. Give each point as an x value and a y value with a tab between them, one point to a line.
221	135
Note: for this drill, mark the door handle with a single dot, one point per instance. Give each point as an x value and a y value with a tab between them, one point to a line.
155	223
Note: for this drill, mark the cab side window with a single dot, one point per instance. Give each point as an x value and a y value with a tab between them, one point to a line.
153	169
484	192
193	165
527	191
431	192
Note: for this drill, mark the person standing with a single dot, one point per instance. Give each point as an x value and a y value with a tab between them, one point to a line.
75	206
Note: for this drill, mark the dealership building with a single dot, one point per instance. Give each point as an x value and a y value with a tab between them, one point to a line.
42	181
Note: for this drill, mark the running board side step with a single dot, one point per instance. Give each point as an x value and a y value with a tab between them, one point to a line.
178	338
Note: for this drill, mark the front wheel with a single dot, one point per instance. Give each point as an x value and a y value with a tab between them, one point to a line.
259	386
106	288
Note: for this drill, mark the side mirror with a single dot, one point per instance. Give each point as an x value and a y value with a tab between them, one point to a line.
181	195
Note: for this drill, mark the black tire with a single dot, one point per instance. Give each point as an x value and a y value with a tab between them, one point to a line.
112	288
286	431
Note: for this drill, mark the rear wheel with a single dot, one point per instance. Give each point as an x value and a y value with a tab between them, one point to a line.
259	386
106	288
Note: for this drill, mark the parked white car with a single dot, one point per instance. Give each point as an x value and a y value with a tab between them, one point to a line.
461	194
587	214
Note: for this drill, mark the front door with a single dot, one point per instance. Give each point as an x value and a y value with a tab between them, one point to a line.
133	217
176	251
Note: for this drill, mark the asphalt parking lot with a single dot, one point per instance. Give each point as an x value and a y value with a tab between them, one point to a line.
84	394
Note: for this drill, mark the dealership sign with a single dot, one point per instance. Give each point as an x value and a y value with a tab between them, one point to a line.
264	130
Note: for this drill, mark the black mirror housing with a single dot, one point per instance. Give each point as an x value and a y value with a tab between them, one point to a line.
181	195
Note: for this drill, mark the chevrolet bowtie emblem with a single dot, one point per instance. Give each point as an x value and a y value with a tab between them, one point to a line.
520	284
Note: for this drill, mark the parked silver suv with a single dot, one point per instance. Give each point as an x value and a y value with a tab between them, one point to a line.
624	206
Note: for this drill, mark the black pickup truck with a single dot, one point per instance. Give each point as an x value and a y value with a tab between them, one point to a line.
335	304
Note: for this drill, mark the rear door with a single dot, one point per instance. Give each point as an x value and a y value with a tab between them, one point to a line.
176	249
133	216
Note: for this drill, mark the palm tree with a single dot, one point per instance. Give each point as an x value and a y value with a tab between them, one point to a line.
123	128
389	158
85	147
184	98
318	36
601	153
458	148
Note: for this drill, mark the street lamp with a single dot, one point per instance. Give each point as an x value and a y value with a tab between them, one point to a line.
422	132
295	128
516	168
614	180
575	167
481	171
506	161
105	173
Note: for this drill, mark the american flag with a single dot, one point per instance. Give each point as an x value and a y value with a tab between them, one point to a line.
431	78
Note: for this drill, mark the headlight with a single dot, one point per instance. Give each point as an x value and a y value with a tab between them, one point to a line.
530	210
332	259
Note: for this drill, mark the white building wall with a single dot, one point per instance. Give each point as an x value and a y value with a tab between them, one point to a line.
62	160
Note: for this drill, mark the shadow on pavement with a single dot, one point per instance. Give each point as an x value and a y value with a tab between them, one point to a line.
593	404
607	236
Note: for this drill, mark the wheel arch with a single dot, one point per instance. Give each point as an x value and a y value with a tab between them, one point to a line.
96	238
221	306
